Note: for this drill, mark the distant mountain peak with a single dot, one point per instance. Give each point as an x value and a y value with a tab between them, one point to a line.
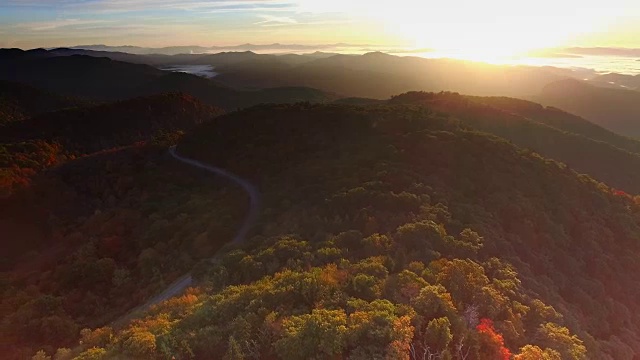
377	53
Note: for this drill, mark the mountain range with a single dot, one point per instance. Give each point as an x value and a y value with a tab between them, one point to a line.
175	50
373	75
114	80
454	220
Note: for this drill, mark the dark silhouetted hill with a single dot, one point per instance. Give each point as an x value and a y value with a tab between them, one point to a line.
31	147
90	129
378	75
617	81
615	109
562	120
581	146
85	76
103	79
19	101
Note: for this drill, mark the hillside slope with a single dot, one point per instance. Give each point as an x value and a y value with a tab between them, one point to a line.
615	109
83	76
602	160
90	129
29	148
32	145
383	226
385	230
19	101
98	235
562	120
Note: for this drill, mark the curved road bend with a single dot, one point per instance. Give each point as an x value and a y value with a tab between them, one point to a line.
178	286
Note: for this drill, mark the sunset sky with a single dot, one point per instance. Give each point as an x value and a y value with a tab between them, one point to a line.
489	26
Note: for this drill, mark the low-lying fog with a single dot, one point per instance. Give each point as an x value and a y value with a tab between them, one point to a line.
206	71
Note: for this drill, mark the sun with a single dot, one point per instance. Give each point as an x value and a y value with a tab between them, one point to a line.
493	42
489	30
485	45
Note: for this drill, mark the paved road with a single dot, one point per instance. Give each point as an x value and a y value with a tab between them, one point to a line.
252	191
178	286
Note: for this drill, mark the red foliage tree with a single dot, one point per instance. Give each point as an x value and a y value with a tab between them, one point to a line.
491	342
620	193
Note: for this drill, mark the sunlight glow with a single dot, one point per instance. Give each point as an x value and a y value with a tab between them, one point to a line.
490	30
487	30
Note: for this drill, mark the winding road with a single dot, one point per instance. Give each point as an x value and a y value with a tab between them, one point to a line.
252	191
178	286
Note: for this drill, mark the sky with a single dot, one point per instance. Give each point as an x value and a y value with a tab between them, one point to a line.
491	27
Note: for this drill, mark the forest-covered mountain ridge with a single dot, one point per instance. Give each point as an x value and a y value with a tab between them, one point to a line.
386	230
411	183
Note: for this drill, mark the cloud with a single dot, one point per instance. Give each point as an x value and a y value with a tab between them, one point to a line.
123	6
270	20
62	23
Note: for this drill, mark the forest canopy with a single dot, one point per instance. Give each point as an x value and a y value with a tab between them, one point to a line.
391	231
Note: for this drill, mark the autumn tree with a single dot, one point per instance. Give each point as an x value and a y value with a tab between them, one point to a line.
491	342
318	335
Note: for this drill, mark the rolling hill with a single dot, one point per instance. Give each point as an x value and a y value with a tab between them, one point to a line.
31	147
19	101
615	109
90	129
378	75
619	81
103	79
394	223
430	222
373	75
583	146
562	120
